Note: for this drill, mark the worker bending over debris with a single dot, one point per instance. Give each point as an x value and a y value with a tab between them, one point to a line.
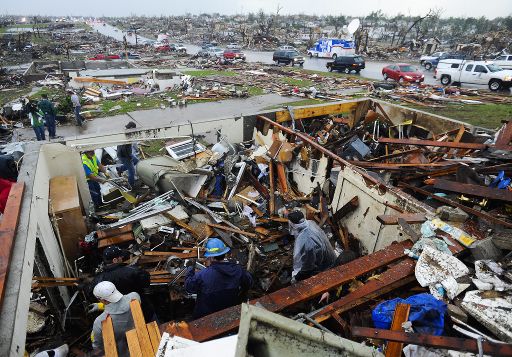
117	306
312	251
92	168
127	158
221	285
126	278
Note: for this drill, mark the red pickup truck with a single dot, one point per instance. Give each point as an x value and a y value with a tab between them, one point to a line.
232	54
101	56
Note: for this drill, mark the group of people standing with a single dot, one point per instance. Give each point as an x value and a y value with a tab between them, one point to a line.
43	113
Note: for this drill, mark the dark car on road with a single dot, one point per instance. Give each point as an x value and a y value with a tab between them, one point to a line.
403	72
346	64
288	57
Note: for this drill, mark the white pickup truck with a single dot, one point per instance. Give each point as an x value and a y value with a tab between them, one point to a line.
474	72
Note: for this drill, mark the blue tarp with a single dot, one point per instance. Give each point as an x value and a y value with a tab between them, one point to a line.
427	313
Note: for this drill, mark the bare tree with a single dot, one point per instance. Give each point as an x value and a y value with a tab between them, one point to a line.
417	22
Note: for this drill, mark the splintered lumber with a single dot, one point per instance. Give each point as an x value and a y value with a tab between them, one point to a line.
226	320
169	254
114	231
122	238
347	208
303	113
133	344
392	219
450	343
142	331
504	136
271	203
281	177
8	228
466	209
98	80
109	339
233	230
401	314
154	333
473	190
445	144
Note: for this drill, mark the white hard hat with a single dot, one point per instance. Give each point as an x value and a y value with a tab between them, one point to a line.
107	291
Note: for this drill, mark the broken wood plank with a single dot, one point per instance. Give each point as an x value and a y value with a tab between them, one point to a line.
392	219
226	320
473	190
272	190
233	230
446	144
304	113
154	334
133	343
399	165
466	209
109	339
504	136
114	231
8	229
401	314
98	80
450	343
347	208
281	177
119	239
142	331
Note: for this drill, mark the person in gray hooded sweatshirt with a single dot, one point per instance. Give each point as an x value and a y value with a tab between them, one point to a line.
117	306
312	251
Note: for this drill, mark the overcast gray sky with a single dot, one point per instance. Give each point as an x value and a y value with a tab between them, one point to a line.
464	8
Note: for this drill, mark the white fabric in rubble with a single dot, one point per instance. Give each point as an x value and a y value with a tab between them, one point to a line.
435	243
491	309
488	274
435	267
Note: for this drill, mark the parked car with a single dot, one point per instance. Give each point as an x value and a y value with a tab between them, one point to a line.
431	57
288	57
203	52
233	54
102	57
346	64
403	72
233	46
214	52
476	72
131	55
432	63
504	61
178	47
162	47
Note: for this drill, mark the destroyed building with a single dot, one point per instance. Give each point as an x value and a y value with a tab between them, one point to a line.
417	197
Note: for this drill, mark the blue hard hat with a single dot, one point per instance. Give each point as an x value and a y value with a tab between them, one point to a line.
215	247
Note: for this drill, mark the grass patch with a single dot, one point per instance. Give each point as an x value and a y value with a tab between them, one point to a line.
153	147
253	91
299	103
484	115
210	72
297	82
27	26
9	95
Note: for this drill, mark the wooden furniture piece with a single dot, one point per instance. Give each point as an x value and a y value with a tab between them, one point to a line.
69	220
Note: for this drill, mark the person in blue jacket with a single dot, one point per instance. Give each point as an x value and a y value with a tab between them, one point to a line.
223	284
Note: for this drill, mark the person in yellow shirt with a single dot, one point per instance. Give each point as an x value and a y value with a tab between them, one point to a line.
92	168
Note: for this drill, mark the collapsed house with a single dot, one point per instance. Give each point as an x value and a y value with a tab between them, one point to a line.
357	168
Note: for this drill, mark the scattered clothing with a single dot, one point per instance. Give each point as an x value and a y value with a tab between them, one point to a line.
121	320
221	285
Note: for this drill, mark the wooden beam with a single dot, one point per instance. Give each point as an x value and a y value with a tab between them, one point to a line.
142	331
133	343
122	238
98	80
109	339
271	174
154	334
8	229
401	314
466	209
233	230
450	343
473	190
504	136
347	208
226	320
309	112
114	231
445	144
392	219
168	254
